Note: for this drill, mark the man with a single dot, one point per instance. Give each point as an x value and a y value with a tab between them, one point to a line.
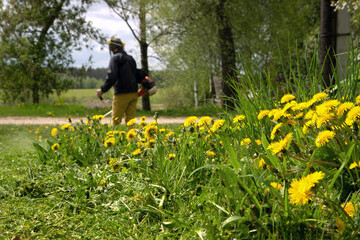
121	74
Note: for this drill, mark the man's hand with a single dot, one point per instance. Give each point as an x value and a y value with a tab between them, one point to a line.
99	93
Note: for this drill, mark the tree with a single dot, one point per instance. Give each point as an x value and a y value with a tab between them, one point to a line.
143	13
37	40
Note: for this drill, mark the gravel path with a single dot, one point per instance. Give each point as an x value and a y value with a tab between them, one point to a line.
63	120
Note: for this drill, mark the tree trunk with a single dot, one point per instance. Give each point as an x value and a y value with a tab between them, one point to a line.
327	41
227	50
145	100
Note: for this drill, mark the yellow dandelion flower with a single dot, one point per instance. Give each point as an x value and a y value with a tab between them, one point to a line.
131	122
115	164
310	103
286	98
150	131
354	165
261	163
320	96
275	129
324	119
357	100
122	133
238	118
276	185
324	137
258	142
272	112
300	106
314	177
353	115
263	113
300	190
55	147
281	145
349	208
217	125
210	153
345	107
309	114
54	132
171	156
131	135
65	126
98	117
190	121
137	152
205	121
109	142
142	123
246	142
299	115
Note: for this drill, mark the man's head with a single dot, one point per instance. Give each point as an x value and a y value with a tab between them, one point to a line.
115	43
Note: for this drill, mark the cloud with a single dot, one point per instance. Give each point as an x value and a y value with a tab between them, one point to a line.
102	17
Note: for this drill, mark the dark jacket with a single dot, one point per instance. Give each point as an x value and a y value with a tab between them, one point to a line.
121	73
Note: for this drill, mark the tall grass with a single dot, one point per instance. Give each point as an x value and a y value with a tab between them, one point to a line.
250	174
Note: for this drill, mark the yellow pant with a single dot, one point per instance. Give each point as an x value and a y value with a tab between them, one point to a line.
123	103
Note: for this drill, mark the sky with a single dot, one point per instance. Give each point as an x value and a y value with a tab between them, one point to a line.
103	18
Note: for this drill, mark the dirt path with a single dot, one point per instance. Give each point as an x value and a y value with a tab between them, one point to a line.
63	120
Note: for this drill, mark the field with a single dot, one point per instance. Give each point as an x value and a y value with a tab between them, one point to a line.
286	169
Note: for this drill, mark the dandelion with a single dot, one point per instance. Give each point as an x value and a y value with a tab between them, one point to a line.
65	126
217	125
353	115
357	100
54	132
98	117
137	152
55	147
190	121
324	119
131	135
210	153
262	114
324	137
300	190
109	142
171	156
276	185
320	96
274	131
345	107
261	163
131	122
281	145
286	98
142	123
246	142
115	164
258	142
349	208
205	121
238	119
150	131
354	165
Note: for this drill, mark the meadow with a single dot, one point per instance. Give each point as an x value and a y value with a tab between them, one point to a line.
280	166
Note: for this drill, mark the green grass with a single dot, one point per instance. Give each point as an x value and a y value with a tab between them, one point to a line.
83	102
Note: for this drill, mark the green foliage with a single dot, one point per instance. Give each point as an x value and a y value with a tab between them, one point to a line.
36	44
